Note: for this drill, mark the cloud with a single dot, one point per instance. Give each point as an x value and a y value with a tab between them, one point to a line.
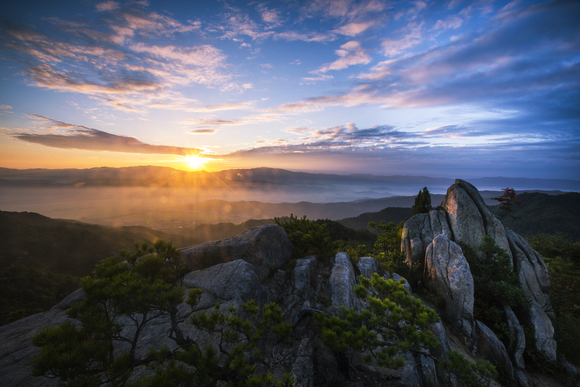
306	37
107	6
338	138
253	119
112	60
451	22
351	53
412	36
347	9
203	131
321	77
85	138
5	107
236	23
353	29
270	16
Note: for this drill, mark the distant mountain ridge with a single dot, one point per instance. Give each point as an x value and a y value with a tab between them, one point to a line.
169	177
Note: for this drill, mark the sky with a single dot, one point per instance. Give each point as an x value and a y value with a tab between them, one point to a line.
427	88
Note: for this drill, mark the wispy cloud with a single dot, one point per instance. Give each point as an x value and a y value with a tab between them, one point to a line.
111	59
353	29
347	9
306	36
321	77
203	131
350	54
252	119
85	138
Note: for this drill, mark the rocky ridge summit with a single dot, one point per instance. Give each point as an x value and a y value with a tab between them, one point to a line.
257	265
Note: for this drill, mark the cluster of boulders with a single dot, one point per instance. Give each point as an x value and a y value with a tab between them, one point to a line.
258	265
432	239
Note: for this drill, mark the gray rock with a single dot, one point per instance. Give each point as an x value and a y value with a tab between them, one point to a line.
303	272
77	295
428	370
230	284
493	350
266	247
342	282
410	375
327	369
521	379
531	269
447	274
543	330
395	277
419	231
464	217
16	349
303	367
517	343
367	266
493	227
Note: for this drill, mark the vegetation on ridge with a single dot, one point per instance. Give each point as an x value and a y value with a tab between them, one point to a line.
101	350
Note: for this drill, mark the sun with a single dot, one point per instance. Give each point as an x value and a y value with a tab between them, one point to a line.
194	163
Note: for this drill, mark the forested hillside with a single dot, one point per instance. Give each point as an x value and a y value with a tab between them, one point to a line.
542	214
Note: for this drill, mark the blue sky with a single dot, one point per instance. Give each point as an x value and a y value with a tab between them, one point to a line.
440	88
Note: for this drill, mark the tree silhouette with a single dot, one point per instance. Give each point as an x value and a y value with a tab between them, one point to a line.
507	200
422	202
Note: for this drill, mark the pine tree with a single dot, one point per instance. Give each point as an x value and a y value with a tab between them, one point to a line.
422	202
95	348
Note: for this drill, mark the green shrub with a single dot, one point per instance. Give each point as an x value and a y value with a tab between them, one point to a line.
496	285
307	237
395	322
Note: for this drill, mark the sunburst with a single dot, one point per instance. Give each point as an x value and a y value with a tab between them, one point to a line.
194	163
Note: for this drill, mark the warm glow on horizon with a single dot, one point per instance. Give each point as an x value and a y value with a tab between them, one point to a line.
195	163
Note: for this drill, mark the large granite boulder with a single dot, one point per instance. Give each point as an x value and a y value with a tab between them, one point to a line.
342	282
16	349
493	350
531	269
303	272
266	247
448	275
368	266
419	232
543	331
470	219
517	339
230	284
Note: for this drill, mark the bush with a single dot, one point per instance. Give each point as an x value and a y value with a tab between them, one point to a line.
496	285
395	322
387	248
308	237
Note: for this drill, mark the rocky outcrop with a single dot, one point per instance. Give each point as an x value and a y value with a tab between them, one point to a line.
531	269
303	272
266	247
517	339
368	266
252	266
230	284
464	217
470	219
342	282
447	274
303	367
419	232
493	350
543	331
